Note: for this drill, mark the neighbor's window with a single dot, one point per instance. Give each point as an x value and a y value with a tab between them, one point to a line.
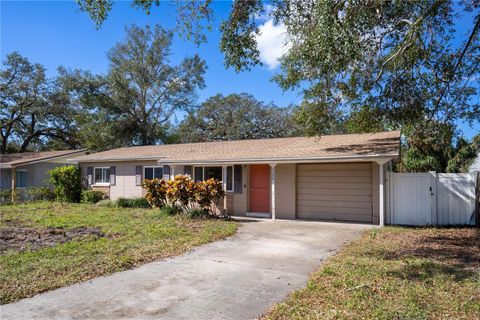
153	173
21	178
230	178
102	175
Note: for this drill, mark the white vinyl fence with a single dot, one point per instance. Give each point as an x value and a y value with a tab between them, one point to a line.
431	198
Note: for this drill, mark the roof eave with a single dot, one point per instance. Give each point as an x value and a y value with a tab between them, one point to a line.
79	160
32	161
277	160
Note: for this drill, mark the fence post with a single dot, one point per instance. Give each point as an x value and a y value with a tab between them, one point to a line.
477	200
434	198
390	198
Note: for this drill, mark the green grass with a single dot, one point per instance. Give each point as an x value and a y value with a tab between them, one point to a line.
395	273
132	237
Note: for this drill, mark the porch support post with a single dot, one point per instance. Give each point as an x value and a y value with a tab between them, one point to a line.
272	188
224	187
14	184
381	191
172	172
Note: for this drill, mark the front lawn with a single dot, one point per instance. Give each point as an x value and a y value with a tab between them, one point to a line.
49	245
394	273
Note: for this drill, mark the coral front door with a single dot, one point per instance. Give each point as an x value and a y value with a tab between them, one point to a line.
260	188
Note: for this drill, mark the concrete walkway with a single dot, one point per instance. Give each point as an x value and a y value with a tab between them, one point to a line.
237	278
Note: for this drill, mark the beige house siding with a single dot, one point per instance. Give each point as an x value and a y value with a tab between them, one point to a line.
124	179
335	191
240	200
318	191
375	193
285	177
37	174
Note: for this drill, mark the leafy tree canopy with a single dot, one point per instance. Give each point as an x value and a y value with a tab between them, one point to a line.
235	117
134	103
32	108
403	61
191	14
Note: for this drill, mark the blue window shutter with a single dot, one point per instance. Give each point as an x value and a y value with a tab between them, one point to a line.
112	175
237	182
138	175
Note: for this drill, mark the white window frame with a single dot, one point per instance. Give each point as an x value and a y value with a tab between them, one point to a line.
203	174
95	183
153	167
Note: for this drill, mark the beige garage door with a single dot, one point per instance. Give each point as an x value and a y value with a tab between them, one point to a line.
340	191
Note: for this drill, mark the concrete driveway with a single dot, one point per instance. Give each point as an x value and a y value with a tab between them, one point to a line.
237	278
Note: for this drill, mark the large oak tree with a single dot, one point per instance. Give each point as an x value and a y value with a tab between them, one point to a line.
134	103
235	117
32	109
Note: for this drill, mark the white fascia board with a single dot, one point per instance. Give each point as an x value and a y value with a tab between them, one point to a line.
380	157
77	160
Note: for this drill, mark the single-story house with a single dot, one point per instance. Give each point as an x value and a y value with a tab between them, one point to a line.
330	177
30	169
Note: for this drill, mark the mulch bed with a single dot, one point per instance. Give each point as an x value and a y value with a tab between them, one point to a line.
455	247
19	239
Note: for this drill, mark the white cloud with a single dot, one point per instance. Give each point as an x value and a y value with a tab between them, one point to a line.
272	43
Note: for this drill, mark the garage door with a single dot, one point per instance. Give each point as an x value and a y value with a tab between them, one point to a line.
340	191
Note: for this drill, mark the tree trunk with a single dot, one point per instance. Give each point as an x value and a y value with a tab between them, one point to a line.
3	147
27	141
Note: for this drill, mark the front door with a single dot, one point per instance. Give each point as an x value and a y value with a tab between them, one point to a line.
260	188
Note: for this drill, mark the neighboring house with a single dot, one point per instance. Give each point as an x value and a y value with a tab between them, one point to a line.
30	169
337	177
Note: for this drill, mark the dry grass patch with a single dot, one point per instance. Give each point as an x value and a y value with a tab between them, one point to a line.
50	245
394	273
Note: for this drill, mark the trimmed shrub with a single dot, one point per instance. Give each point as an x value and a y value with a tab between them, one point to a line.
6	196
39	194
93	196
184	195
156	192
208	192
198	213
27	195
170	210
132	203
181	192
66	183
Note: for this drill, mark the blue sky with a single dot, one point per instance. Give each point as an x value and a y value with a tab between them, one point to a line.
57	33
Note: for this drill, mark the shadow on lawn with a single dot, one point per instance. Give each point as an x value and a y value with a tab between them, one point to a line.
451	252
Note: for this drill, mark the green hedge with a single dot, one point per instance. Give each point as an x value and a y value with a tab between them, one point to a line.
93	196
27	195
67	183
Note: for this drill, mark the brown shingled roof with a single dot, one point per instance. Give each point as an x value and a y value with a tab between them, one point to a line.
15	159
385	144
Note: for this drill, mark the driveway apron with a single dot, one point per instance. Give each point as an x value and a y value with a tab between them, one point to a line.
236	278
